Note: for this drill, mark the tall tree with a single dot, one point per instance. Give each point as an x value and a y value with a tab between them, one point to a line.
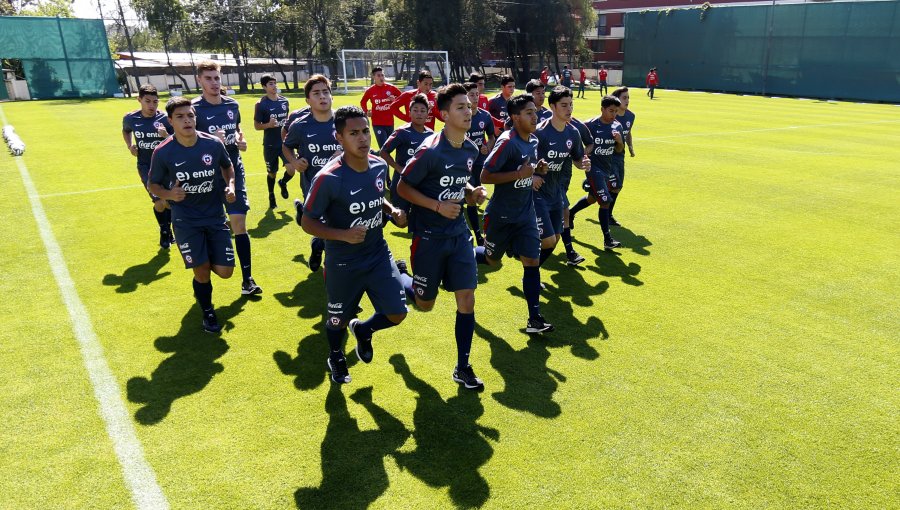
163	16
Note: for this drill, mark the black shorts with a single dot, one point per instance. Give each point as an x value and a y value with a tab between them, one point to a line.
241	202
549	218
345	284
199	245
448	261
521	238
271	154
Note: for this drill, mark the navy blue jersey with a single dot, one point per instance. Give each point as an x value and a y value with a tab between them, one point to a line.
556	148
146	136
405	140
627	122
199	171
440	171
313	140
213	117
512	201
604	143
497	107
566	78
294	115
481	129
346	198
264	111
544	113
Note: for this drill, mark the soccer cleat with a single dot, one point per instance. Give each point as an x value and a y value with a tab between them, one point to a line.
610	243
573	258
466	376
538	325
315	257
298	207
613	222
164	239
211	322
339	372
250	288
284	190
401	266
272	203
364	349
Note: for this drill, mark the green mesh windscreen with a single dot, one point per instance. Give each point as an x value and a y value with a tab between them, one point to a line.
62	57
847	50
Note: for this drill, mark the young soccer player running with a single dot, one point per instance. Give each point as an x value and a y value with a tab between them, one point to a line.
148	127
602	180
484	103
497	106
559	143
572	256
509	221
269	117
382	96
566	77
404	142
480	130
219	115
311	142
400	106
349	194
436	182
194	171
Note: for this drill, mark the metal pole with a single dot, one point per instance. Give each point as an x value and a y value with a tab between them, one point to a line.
65	53
344	67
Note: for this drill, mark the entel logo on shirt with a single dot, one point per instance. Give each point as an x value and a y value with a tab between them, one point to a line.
358	207
447	180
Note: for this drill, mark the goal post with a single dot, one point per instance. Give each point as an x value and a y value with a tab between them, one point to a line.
400	67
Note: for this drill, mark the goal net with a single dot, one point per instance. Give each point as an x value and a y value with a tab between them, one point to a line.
401	67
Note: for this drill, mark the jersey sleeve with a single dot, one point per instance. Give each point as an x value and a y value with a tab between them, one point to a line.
321	192
259	114
498	156
393	141
126	125
159	172
295	136
367	95
397	107
417	167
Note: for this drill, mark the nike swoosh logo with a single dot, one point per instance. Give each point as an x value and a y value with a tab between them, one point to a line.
552	143
311	135
447	167
355	192
138	125
179	164
211	118
229	260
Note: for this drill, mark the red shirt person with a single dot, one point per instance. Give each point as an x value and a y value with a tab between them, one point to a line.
382	95
400	106
652	82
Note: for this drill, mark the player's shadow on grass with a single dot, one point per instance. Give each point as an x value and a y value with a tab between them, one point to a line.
630	241
141	274
188	370
353	472
450	444
269	223
609	264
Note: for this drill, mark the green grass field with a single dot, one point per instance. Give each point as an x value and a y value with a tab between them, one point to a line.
739	351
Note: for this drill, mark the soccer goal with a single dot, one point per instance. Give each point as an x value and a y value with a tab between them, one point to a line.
400	67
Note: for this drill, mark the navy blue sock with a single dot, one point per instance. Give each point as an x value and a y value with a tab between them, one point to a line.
545	254
335	339
603	216
612	204
567	239
531	286
465	328
286	178
474	221
242	247
203	293
374	323
161	218
167	216
480	256
407	282
581	204
270	182
318	244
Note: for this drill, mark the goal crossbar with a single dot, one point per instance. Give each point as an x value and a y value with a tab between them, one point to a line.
345	52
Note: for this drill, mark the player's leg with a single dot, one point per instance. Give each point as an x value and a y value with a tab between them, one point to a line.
612	186
343	289
527	244
382	133
272	156
548	226
428	265
582	203
461	277
382	284
497	238
237	212
615	196
472	214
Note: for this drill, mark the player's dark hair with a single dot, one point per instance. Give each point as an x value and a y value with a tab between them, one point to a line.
610	101
176	102
208	65
377	69
532	85
516	104
506	79
421	99
469	85
446	94
423	75
476	77
558	93
266	78
147	90
619	91
310	83
345	113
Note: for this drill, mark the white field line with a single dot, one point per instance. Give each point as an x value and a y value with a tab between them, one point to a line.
783	128
139	476
711	146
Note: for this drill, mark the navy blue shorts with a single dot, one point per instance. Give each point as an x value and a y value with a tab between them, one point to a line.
199	245
549	218
382	133
597	185
241	202
346	282
271	154
564	180
617	176
450	261
305	183
143	173
521	239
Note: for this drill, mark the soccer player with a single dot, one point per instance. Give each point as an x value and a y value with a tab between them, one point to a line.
601	77
509	221
382	96
484	103
194	171
566	78
349	194
479	130
652	82
582	77
294	115
149	127
572	256
497	105
424	83
310	143
436	182
269	117
545	75
602	180
404	142
536	89
558	143
219	115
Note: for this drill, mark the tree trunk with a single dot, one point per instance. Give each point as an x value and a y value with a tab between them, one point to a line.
175	73
130	44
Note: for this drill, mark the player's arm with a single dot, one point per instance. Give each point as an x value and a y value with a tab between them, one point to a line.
628	141
289	147
160	175
475	196
412	175
126	135
321	194
364	102
397	107
260	123
493	173
389	146
620	141
399	215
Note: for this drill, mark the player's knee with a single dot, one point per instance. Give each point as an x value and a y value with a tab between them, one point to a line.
223	272
530	262
424	306
549	242
465	301
397	318
202	272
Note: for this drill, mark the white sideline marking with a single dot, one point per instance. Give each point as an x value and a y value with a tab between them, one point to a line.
733	147
718	133
139	476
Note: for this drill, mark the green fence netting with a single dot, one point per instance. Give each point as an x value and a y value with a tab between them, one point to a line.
62	57
848	50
